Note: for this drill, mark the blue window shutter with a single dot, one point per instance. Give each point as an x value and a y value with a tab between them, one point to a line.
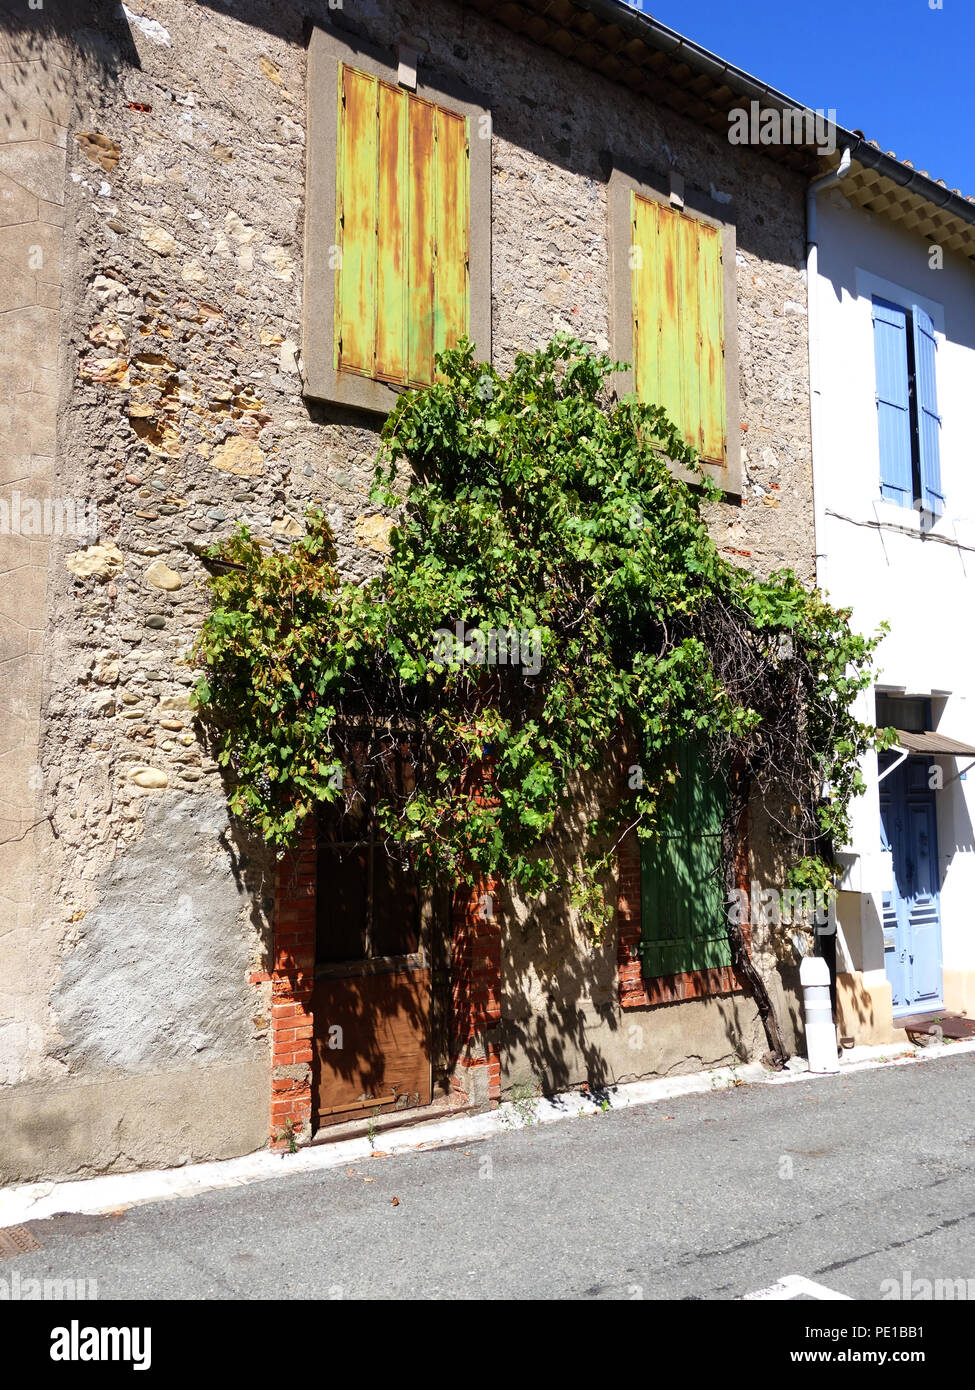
928	419
893	401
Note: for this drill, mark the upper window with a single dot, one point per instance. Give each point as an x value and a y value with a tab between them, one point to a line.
402	231
908	422
397	232
675	312
678	321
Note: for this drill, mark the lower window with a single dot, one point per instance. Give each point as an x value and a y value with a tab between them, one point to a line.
683	923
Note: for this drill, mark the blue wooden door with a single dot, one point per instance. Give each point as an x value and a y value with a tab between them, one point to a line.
912	912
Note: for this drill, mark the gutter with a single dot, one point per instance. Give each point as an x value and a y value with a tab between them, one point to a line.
680	49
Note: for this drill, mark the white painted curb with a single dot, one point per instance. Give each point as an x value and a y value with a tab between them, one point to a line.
116	1191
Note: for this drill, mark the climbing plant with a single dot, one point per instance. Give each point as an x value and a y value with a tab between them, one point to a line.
535	503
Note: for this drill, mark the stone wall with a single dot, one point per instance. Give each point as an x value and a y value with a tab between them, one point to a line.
146	947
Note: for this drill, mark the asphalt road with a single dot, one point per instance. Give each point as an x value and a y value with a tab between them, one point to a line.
848	1181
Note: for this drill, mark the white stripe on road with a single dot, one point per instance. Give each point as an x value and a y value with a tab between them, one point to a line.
797	1286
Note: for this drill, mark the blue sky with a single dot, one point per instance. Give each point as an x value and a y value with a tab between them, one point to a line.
895	69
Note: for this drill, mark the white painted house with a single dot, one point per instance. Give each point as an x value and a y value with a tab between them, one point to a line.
892	361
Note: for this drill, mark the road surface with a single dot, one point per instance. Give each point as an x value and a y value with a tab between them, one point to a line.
857	1183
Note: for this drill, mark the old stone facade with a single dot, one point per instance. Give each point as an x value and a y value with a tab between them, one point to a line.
151	369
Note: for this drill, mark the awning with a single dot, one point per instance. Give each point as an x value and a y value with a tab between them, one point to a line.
933	743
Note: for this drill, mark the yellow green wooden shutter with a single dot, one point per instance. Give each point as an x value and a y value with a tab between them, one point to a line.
683	926
403	213
678	321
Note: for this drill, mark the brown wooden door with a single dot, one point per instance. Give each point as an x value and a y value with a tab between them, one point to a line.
371	1002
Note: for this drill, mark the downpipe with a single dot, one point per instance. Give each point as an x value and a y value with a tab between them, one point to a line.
813	191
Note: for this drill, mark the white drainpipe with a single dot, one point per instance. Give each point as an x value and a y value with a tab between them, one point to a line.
812	271
814	972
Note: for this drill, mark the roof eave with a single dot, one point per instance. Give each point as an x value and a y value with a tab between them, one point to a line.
618	15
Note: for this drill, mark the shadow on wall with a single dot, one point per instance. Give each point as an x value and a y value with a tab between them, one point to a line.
955	832
561	1021
97	32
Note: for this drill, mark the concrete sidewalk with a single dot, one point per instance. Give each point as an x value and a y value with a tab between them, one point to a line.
118	1191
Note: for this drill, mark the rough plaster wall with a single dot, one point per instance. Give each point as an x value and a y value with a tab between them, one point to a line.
116	1121
186	414
159	969
141	960
36	105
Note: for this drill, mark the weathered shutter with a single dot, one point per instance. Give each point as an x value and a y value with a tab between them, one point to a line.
421	190
391	236
451	314
683	924
357	216
678	321
928	419
403	211
893	401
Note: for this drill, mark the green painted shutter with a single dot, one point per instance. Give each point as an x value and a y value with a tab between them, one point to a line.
403	211
678	321
357	215
682	887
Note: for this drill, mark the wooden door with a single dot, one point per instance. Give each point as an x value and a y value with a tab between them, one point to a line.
371	1002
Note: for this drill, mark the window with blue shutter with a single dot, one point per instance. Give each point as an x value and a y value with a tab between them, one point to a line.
893	402
928	419
908	423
